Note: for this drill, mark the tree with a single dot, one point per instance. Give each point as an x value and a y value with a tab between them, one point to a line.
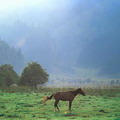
7	75
33	74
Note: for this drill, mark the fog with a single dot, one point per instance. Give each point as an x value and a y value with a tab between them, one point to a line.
78	38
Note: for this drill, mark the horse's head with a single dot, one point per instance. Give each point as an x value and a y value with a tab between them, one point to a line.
80	91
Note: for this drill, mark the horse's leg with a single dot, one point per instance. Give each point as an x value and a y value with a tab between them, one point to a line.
55	105
70	104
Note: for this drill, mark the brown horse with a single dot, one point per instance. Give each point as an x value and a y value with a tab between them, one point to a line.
65	96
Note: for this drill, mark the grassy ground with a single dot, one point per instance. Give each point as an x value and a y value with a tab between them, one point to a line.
28	106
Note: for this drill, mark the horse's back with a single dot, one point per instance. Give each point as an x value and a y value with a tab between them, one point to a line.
64	96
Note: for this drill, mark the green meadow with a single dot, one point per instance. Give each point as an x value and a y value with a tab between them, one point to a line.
98	104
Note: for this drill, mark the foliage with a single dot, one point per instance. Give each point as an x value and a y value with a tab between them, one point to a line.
7	75
33	74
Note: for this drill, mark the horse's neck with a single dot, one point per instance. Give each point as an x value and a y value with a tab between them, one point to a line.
75	93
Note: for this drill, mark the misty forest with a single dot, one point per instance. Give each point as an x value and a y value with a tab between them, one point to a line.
79	39
48	46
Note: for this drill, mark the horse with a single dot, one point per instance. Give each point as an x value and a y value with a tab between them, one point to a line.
65	96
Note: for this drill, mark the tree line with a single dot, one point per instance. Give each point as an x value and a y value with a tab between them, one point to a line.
32	75
10	55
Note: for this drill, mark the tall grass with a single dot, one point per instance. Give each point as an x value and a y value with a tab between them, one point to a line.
111	91
103	91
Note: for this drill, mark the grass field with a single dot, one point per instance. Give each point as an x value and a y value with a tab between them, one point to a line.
98	104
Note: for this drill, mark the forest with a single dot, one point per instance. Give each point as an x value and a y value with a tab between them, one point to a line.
10	55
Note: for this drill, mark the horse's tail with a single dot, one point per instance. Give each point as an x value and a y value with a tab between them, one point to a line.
49	98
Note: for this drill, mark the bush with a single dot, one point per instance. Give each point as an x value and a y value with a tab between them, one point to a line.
33	74
7	75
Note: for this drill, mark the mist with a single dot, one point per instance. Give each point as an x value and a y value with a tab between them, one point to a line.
72	38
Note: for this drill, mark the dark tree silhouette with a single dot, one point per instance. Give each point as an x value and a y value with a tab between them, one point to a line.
7	75
33	74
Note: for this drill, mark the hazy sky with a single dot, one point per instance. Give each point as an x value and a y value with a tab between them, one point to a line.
15	7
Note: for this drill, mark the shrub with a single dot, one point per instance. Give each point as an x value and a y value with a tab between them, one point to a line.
33	74
7	75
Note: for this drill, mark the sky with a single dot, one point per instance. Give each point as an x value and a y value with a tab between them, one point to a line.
17	7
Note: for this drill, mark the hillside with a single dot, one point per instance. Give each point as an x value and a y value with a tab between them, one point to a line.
9	55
